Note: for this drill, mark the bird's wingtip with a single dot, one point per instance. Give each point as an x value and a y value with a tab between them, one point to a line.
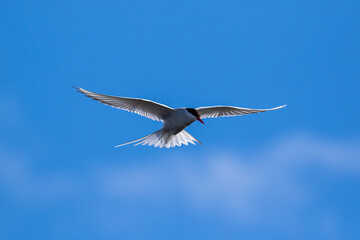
77	88
280	107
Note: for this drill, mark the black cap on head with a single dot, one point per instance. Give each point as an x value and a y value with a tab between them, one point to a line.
193	112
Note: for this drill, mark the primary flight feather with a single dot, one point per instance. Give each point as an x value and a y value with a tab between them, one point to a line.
175	119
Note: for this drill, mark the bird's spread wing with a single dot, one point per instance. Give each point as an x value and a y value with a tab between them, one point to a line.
227	111
146	108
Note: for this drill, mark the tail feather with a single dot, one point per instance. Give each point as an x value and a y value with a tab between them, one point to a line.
162	138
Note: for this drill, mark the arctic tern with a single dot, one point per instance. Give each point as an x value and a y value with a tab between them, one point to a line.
175	119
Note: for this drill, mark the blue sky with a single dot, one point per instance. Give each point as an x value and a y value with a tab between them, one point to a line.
287	174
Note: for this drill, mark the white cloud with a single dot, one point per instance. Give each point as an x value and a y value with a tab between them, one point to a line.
23	185
250	189
264	183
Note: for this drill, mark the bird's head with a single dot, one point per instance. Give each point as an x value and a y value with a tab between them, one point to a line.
195	113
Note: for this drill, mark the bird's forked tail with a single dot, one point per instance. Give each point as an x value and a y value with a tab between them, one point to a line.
162	138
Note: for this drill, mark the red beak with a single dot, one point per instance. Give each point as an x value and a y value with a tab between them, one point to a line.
199	119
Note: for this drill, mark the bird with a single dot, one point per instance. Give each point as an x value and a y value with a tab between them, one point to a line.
175	120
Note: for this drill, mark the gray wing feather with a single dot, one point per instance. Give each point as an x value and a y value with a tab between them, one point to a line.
228	111
143	107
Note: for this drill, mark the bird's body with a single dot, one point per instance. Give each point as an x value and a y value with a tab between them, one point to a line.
175	120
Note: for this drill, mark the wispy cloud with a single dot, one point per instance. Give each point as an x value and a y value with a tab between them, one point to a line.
249	188
23	184
237	183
